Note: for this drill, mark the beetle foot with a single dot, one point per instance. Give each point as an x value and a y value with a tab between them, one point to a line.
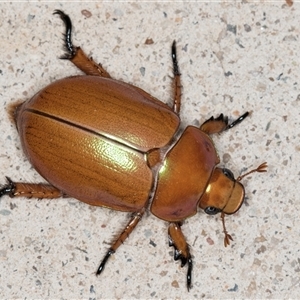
174	59
179	256
189	274
102	265
238	120
176	81
182	252
8	189
71	50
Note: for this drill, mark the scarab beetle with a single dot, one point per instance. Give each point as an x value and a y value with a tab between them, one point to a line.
111	144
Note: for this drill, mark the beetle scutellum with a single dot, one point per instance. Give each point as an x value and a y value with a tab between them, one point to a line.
111	144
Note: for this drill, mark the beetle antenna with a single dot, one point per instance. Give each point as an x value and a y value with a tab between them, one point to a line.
260	169
227	237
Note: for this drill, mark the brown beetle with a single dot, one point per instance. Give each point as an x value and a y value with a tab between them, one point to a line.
111	144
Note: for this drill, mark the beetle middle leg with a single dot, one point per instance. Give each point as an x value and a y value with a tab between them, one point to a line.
76	54
176	81
219	124
123	236
182	251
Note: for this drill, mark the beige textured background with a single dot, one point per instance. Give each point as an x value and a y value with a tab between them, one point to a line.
234	56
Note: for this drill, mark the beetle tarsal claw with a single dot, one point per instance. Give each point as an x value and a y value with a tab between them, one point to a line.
260	169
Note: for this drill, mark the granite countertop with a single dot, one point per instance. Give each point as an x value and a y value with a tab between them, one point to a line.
234	57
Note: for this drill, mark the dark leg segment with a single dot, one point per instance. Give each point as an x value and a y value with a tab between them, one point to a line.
182	251
76	55
68	35
176	81
30	190
123	236
219	124
237	121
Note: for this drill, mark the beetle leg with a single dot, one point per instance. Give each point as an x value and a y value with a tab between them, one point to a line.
76	55
182	251
176	81
238	120
30	190
219	124
215	125
123	236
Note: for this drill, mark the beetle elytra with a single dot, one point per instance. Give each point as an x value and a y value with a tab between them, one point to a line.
108	143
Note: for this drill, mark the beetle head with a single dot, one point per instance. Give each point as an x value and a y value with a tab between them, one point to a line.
225	194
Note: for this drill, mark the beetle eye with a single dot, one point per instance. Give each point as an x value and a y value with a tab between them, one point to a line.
228	173
210	210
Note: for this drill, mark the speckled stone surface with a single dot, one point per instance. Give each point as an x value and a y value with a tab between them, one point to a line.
233	57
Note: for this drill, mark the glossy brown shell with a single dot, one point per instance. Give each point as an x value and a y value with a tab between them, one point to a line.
88	136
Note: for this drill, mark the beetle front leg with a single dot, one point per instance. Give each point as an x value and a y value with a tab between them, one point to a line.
182	251
219	124
76	54
123	236
30	190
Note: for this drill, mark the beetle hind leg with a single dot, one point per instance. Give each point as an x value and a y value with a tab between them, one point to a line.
122	237
182	251
219	124
76	54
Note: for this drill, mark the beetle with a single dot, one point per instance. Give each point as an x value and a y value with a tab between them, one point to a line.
109	143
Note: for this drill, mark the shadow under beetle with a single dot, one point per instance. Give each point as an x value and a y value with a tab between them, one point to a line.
111	144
